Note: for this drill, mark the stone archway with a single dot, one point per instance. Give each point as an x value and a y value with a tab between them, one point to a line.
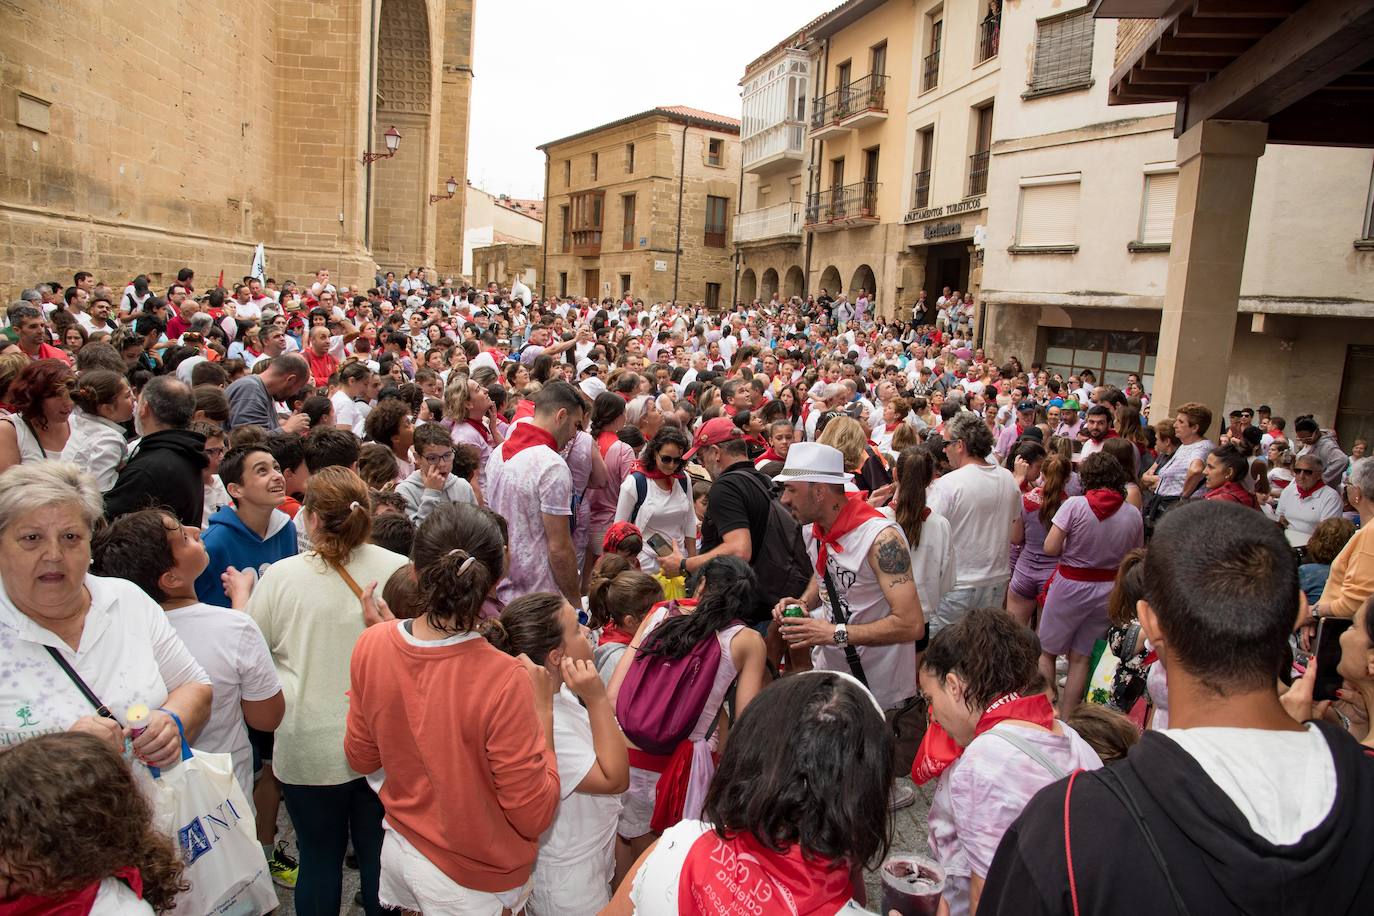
768	285
401	185
831	282
863	279
794	282
748	286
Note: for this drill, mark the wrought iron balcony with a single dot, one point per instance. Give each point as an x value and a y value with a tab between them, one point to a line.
931	75
838	207
978	174
865	95
989	35
920	190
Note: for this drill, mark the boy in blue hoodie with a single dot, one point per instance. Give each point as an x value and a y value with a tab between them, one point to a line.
252	533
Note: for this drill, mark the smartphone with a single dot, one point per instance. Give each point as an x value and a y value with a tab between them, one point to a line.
660	545
1327	656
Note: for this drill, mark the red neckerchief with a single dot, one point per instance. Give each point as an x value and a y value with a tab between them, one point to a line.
73	903
656	474
611	633
769	455
1303	494
856	511
1233	492
524	409
731	410
481	428
1032	499
758	880
1104	502
892	427
938	750
605	439
523	436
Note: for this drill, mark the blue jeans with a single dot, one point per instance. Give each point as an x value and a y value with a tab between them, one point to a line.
325	817
957	602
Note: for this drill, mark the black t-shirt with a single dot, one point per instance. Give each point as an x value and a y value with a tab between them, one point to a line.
735	503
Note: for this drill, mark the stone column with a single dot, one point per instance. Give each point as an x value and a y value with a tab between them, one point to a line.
1216	186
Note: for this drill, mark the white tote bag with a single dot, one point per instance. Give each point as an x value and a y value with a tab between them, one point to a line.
201	805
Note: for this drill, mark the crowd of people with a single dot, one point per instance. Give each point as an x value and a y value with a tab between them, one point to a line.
571	607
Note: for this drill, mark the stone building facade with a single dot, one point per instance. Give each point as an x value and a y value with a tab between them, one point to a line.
146	136
617	198
504	262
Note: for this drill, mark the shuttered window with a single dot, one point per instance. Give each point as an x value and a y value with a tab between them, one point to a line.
1157	208
1063	52
1049	215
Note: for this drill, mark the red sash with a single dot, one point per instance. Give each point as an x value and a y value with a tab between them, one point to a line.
1077	574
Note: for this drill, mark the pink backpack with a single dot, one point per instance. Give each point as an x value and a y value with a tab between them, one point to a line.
662	698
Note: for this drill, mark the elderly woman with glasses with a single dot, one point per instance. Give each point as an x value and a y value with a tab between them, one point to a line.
81	652
1308	502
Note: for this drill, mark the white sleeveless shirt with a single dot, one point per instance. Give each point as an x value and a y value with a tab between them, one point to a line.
890	670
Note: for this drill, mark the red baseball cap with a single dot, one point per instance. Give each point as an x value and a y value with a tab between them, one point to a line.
714	432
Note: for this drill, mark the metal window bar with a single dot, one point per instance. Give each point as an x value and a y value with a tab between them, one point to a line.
932	71
989	35
852	201
868	93
978	174
920	190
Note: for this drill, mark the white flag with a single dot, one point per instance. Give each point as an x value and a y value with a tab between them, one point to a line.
259	268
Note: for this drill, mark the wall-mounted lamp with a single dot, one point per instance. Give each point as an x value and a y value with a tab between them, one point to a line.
393	143
451	186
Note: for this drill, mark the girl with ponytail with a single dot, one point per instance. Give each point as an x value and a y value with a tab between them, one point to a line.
97	443
619	599
576	854
430	698
659	795
312	608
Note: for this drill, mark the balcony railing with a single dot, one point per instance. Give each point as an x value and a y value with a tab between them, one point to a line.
586	242
847	203
866	93
978	174
920	190
769	222
931	77
989	34
786	138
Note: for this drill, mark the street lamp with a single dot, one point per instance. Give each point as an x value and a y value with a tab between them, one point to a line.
393	142
451	186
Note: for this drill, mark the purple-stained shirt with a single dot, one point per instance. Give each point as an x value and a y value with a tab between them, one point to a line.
1097	544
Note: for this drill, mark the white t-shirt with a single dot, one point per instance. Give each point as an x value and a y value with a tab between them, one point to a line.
348	412
483	359
584	826
230	647
1283	782
128	654
980	502
666	512
245	310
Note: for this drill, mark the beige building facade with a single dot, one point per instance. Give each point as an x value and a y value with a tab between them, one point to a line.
495	219
505	262
139	137
1082	206
643	206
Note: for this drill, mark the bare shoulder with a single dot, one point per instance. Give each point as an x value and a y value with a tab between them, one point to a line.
890	552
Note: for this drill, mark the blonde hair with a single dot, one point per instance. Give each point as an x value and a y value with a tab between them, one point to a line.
847	435
457	397
338	500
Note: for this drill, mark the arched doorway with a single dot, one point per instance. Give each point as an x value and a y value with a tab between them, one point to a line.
863	279
401	185
769	285
830	281
748	286
794	282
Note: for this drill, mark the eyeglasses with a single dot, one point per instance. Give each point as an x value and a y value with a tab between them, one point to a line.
440	458
215	452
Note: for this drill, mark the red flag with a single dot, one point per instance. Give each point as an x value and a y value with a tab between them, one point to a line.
220	284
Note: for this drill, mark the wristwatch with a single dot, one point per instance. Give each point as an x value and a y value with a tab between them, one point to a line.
841	635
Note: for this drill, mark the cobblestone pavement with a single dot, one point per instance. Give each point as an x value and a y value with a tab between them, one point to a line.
908	835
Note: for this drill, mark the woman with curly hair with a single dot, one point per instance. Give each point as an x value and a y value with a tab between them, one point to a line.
79	833
39	428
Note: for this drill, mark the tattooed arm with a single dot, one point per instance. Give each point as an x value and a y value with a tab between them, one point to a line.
890	560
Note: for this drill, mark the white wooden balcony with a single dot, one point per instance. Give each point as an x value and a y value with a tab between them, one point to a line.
781	222
778	148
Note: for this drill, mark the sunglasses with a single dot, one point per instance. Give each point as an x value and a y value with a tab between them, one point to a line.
1306	471
671	459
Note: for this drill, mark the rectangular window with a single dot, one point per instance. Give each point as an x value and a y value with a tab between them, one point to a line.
1157	208
837	173
586	222
562	284
627	210
1111	355
989	33
1369	212
1048	216
1063	52
629	158
930	76
624	284
843	74
877	59
982	144
715	151
565	227
596	163
717	209
713	295
567	173
925	155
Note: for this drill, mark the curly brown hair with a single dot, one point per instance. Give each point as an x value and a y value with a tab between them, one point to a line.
991	653
74	816
1328	539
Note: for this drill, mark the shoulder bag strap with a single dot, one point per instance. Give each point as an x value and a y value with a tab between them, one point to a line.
1117	787
100	708
348	579
851	655
1030	750
36	441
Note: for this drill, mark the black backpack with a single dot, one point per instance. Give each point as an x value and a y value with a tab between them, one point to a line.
781	563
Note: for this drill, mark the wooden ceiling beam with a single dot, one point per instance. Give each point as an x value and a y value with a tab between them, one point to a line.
1153	60
1245	9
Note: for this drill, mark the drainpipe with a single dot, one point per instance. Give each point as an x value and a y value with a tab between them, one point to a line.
371	117
812	177
681	185
739	208
544	268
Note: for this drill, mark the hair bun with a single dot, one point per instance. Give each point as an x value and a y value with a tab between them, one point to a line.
494	632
